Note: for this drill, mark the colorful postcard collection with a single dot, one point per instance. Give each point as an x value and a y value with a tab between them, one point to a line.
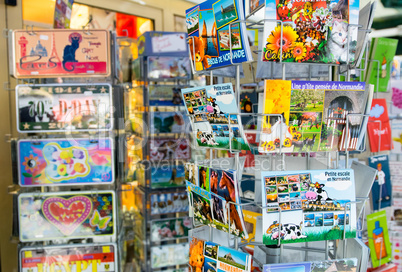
60	52
167	176
213	189
378	126
378	239
170	229
68	215
381	192
169	149
315	205
168	122
60	107
214	116
168	67
164	203
84	258
209	256
169	255
215	39
314	115
55	162
316	266
312	31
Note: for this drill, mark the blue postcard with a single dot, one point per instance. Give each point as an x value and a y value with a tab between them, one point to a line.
381	191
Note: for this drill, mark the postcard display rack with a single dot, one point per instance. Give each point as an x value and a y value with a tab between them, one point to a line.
66	174
158	145
279	170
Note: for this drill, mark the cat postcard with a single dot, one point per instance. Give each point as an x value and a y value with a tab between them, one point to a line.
311	31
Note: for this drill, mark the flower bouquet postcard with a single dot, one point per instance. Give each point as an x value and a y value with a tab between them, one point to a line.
208	256
83	258
313	31
210	38
64	107
378	239
60	53
313	115
315	266
214	116
209	200
67	215
315	205
56	162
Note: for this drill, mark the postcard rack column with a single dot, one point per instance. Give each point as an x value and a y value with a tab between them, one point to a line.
64	159
351	145
158	145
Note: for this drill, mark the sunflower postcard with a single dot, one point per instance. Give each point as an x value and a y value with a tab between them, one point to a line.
310	31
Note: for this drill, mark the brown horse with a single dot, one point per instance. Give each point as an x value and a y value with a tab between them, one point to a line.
203	178
234	217
213	180
228	183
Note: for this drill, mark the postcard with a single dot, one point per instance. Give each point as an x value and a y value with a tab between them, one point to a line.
66	215
315	205
55	162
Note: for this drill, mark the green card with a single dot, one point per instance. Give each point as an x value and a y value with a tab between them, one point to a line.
383	51
380	246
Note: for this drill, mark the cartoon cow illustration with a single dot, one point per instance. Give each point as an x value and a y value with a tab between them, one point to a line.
206	138
288	231
213	108
317	193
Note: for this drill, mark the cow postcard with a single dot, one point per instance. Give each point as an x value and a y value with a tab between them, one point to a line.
214	116
310	205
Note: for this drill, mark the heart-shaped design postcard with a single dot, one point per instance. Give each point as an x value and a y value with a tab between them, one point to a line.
67	214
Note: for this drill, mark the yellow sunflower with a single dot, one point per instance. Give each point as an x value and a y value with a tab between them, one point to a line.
299	51
274	40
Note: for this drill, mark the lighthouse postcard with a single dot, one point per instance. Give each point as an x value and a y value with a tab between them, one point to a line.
306	206
60	53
